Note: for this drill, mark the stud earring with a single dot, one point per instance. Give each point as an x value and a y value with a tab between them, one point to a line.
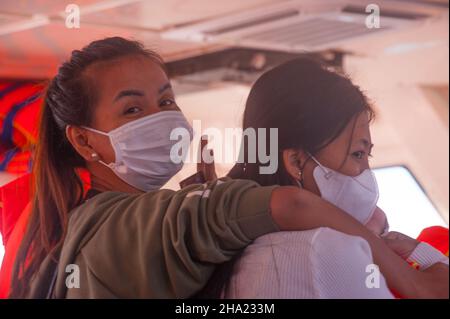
94	156
300	178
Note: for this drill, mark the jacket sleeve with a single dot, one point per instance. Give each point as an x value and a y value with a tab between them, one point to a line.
166	244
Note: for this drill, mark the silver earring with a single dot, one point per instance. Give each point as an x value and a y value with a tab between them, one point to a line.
300	179
94	156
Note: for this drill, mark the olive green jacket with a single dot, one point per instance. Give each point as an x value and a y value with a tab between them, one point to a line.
161	244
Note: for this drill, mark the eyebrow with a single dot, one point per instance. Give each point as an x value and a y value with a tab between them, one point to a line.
164	87
134	92
128	93
366	143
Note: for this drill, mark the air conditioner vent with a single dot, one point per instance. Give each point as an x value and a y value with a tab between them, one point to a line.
253	22
310	33
301	25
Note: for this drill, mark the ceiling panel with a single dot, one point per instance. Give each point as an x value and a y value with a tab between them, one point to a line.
34	39
30	7
37	52
6	19
159	15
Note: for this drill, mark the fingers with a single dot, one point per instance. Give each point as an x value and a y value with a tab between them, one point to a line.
397	236
391	241
201	165
391	235
393	244
207	167
402	244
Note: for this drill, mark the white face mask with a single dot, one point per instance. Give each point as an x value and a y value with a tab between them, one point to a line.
356	195
144	150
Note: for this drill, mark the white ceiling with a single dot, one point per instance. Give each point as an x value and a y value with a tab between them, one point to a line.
38	45
34	38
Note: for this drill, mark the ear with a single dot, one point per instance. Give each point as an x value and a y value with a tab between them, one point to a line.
79	140
293	161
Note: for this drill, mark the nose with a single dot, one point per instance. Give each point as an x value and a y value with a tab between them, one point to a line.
365	164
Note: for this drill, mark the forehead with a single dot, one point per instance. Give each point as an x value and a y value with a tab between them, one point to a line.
358	127
362	123
357	123
133	71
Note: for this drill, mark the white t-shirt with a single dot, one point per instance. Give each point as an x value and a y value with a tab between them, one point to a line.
319	263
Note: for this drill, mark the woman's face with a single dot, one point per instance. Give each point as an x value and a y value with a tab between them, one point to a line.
348	154
126	89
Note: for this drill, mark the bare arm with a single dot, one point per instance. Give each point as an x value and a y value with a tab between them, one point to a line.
296	209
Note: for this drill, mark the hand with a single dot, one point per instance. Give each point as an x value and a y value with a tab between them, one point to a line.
432	282
401	244
435	282
378	223
208	169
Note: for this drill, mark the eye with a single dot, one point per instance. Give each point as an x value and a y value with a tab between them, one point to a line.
166	102
132	110
358	154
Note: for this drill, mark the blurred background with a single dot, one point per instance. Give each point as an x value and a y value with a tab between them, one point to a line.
216	49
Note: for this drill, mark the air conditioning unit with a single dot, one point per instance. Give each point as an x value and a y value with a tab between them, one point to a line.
298	26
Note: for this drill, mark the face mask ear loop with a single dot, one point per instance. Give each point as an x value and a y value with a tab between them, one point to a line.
95	131
328	173
111	165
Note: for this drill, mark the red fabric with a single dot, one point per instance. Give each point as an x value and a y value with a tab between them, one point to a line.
16	216
436	236
11	249
19	103
19	163
26	120
14	197
14	213
16	144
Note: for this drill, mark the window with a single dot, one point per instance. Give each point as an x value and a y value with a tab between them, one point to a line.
408	208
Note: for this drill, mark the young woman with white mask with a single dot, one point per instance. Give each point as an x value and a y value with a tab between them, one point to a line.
109	110
325	144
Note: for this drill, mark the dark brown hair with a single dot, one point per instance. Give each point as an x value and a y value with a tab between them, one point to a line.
310	105
57	188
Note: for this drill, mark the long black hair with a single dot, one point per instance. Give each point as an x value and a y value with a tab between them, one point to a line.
310	105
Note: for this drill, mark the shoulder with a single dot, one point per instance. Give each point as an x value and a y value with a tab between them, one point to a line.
335	251
339	256
318	263
320	245
344	267
318	239
297	264
111	201
338	243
